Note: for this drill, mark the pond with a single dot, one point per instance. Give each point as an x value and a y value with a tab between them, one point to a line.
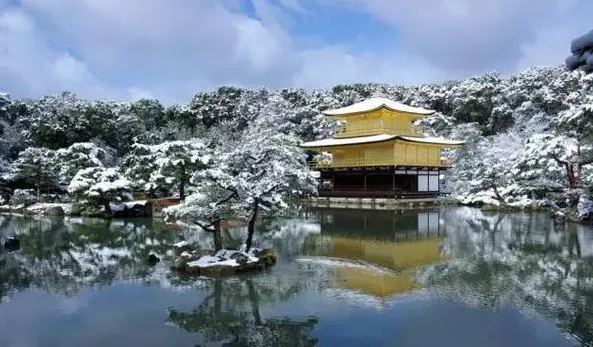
453	277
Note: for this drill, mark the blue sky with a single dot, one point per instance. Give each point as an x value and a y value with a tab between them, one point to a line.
170	49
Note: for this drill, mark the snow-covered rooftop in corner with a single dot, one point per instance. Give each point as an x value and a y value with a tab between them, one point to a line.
378	138
377	103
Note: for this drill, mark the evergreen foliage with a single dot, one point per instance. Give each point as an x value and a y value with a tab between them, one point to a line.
504	120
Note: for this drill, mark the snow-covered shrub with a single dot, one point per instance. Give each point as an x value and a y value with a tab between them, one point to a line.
140	167
36	166
56	198
99	186
78	156
23	197
323	158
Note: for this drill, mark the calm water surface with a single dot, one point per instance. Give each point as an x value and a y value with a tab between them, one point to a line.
457	277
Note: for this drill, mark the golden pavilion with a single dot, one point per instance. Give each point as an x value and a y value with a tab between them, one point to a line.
377	152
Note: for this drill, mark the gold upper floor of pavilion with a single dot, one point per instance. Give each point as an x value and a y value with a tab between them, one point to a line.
380	132
376	116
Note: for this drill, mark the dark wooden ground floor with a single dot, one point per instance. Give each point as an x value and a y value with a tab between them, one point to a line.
381	182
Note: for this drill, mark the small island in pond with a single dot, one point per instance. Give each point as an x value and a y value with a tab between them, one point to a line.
223	262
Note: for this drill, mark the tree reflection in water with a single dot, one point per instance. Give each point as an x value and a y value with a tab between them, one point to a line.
518	259
231	314
63	256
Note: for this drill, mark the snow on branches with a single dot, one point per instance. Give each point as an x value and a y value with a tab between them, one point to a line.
166	166
78	156
260	171
36	166
99	186
499	117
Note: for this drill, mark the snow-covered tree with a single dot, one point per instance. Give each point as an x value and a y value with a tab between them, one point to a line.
37	167
78	156
482	168
265	169
140	166
12	140
6	170
23	197
184	121
57	121
150	111
51	120
291	113
167	165
553	158
210	109
5	176
206	208
178	161
259	172
100	186
547	101
257	175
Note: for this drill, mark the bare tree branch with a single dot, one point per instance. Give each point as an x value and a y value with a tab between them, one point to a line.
228	198
208	228
558	160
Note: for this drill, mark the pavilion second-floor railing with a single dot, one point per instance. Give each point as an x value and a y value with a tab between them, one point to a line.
367	128
365	162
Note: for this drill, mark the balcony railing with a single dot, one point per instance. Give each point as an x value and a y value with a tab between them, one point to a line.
362	162
363	131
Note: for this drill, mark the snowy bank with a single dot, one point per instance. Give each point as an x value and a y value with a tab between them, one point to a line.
50	209
487	200
138	208
42	209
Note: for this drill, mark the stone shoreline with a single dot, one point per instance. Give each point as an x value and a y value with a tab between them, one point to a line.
65	209
130	209
379	203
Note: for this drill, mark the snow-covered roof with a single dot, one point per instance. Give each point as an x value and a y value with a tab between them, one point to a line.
377	103
434	140
378	138
348	141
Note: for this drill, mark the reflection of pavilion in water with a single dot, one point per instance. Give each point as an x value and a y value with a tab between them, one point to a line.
400	243
380	225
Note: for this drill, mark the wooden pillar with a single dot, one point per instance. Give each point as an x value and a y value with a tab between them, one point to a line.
439	182
364	175
393	180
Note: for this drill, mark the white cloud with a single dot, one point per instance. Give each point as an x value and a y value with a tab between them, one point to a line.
29	66
552	41
327	66
463	36
293	5
172	49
